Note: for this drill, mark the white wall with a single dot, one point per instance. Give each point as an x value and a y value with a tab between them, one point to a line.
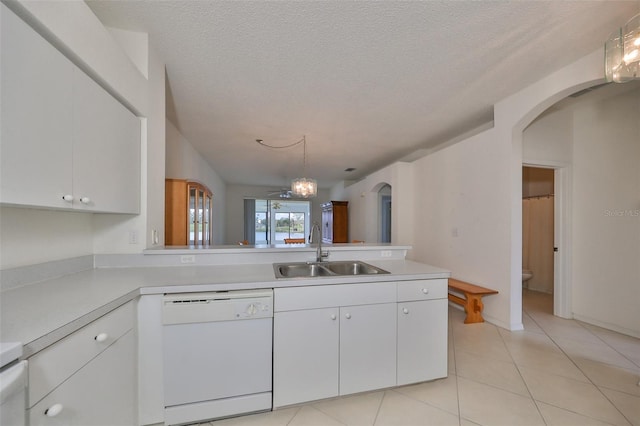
606	223
364	204
29	236
236	195
184	162
598	138
462	216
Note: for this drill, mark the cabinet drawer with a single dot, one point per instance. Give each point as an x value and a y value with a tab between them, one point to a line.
422	290
103	392
53	365
327	296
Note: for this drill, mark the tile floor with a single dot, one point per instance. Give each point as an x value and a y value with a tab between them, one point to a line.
555	372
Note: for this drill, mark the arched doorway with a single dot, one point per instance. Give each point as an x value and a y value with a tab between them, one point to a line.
384	203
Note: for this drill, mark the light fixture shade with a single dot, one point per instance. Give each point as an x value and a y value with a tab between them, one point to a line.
304	188
622	53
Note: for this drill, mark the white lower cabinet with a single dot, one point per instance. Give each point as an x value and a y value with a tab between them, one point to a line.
305	359
367	347
103	392
422	340
89	377
341	339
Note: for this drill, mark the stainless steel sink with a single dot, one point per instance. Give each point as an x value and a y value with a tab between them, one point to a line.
353	268
324	269
300	270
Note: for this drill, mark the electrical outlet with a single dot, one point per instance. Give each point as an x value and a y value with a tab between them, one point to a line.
188	258
386	253
133	237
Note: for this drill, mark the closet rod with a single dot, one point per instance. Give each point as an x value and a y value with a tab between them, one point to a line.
537	196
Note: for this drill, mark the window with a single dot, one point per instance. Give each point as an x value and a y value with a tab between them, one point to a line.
275	220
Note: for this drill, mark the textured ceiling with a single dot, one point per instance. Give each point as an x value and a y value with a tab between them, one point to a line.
366	82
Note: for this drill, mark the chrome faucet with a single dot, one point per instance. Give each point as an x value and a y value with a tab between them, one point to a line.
319	254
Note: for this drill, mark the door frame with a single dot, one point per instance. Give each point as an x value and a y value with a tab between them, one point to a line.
562	283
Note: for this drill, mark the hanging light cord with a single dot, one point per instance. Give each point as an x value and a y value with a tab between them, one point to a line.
301	141
261	142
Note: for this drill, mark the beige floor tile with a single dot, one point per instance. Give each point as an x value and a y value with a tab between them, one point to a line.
274	418
442	393
611	376
353	410
399	410
501	374
465	422
598	351
562	328
530	325
554	416
626	345
526	340
487	405
572	395
548	361
309	416
492	346
629	405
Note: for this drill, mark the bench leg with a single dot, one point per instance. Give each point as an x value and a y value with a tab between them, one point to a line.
473	308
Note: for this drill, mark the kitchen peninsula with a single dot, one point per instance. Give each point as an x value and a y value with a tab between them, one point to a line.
46	314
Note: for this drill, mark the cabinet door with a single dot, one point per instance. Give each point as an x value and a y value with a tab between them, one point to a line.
367	347
106	149
422	341
36	132
305	355
103	392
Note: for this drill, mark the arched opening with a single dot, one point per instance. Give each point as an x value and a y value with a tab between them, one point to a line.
384	209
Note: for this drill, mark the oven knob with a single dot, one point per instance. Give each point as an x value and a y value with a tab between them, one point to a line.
252	309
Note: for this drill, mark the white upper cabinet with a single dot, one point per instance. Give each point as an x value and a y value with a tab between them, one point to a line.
106	149
36	123
65	142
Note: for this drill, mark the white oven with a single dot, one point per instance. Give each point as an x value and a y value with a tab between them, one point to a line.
217	354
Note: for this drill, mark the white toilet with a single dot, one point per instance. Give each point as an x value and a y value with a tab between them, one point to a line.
526	275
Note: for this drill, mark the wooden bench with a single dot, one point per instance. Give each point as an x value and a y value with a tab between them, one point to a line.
472	301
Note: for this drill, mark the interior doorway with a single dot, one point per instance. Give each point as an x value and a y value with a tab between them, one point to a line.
561	287
384	198
538	235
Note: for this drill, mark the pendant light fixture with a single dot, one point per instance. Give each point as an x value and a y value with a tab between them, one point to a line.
622	53
300	187
304	187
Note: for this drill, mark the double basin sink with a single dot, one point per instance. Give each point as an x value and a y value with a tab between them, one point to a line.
325	269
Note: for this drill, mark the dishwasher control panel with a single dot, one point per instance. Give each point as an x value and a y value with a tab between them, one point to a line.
184	308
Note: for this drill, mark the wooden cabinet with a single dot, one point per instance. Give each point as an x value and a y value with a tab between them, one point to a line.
335	219
187	213
65	142
89	377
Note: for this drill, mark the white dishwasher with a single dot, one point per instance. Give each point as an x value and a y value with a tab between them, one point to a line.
217	354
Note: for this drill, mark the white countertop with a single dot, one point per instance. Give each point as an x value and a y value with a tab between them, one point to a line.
40	314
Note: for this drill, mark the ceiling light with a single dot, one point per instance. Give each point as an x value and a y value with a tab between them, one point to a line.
303	187
300	187
621	55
